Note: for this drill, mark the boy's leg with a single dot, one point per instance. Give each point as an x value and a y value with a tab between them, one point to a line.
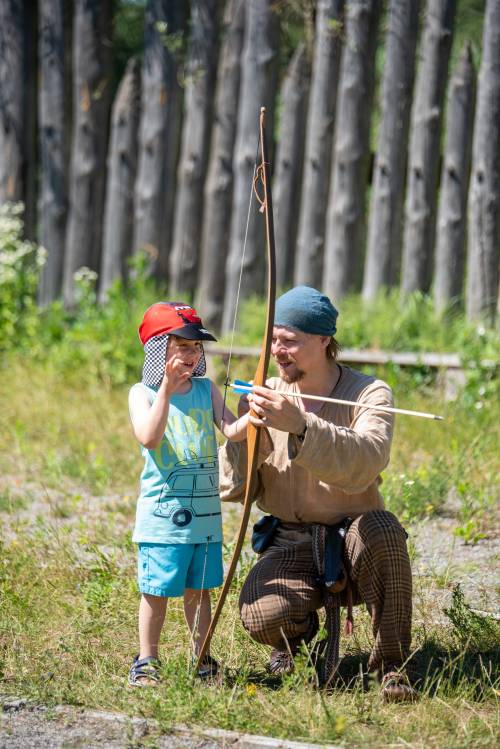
205	572
198	615
152	610
161	575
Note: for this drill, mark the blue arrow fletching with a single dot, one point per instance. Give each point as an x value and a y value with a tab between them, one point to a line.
245	386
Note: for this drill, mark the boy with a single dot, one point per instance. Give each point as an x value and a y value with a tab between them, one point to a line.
178	523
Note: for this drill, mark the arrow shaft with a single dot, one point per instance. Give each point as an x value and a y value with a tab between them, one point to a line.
340	401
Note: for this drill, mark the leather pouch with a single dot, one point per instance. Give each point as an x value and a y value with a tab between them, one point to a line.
334	577
263	533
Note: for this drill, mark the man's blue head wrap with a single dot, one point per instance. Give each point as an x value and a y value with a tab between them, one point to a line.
307	310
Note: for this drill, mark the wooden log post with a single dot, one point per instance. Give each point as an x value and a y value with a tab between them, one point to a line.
53	146
31	140
345	230
289	161
161	107
199	94
424	151
258	86
484	195
451	222
12	101
319	139
91	106
219	183
383	250
122	168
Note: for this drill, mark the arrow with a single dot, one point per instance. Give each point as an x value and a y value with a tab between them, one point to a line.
240	386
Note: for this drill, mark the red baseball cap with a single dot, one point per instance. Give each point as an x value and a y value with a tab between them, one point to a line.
173	318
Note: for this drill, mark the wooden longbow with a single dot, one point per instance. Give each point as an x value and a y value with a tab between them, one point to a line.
253	433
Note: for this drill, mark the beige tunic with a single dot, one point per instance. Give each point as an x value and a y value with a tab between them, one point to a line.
334	472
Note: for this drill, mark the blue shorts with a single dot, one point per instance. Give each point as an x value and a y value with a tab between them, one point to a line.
168	569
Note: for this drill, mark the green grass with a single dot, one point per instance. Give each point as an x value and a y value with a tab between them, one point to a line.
67	432
68	632
10	503
68	597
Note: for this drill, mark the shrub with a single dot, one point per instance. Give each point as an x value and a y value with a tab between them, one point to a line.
91	341
20	265
472	629
101	341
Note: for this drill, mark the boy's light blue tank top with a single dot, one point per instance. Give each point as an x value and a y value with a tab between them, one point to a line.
179	500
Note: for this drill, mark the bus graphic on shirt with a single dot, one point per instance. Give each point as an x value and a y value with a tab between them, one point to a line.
194	485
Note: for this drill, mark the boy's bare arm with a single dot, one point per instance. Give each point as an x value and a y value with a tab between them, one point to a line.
232	428
149	420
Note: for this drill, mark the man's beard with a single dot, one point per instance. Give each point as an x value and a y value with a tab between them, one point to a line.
290	378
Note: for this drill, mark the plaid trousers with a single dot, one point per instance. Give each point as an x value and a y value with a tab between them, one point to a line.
281	595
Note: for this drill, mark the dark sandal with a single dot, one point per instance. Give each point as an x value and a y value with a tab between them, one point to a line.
280	663
208	669
395	687
144	672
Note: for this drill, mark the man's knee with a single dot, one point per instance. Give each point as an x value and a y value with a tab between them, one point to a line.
379	529
274	609
263	620
376	545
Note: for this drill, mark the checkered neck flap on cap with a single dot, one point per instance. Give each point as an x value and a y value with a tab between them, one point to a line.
155	352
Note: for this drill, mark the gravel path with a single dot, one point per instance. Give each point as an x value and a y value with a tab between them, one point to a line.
25	726
443	560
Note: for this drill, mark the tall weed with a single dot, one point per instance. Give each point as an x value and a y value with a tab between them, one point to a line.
471	629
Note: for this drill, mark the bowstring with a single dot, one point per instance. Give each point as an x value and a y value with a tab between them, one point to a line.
231	346
197	616
238	290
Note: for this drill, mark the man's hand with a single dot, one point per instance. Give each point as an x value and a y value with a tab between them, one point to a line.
274	410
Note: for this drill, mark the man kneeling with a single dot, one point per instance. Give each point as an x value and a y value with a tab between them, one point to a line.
319	476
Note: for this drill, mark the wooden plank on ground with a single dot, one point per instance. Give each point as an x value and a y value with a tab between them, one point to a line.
362	356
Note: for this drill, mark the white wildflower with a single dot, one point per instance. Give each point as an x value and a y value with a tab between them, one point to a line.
85	275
